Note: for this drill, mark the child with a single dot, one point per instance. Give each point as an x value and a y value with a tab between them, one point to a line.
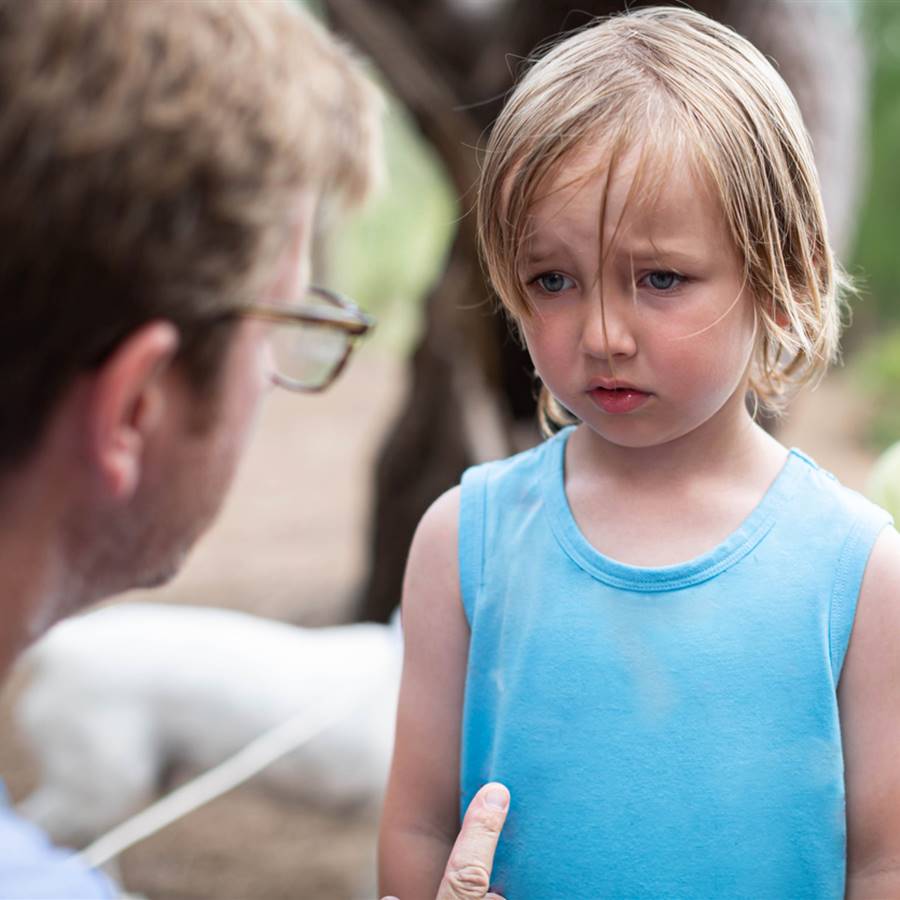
639	626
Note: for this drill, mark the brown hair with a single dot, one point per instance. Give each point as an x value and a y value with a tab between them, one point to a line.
152	154
672	82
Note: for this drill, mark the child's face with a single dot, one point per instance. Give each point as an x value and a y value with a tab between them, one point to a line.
679	327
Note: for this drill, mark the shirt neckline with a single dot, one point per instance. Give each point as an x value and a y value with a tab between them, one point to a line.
701	568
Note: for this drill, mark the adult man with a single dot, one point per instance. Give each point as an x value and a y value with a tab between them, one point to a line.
160	168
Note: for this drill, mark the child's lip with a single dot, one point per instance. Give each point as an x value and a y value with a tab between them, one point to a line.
613	384
619	400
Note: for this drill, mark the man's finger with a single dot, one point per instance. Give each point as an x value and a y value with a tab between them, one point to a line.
468	872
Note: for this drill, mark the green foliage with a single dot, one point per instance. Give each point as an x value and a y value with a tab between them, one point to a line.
884	483
388	256
877	369
878	238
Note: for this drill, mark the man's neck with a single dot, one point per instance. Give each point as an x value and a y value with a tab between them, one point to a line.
37	583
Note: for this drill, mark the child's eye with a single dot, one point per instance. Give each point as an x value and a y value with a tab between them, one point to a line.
663	281
553	282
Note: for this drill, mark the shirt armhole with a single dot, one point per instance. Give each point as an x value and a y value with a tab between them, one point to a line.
471	537
851	567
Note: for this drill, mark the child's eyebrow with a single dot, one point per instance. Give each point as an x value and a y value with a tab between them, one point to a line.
638	253
531	259
549	253
658	252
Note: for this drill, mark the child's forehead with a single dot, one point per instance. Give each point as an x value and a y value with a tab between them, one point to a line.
641	189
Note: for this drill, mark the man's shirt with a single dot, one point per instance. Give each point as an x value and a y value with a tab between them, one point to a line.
31	868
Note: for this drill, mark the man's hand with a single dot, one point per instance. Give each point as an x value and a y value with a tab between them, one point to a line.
468	872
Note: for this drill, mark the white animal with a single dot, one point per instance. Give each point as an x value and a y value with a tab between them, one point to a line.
117	696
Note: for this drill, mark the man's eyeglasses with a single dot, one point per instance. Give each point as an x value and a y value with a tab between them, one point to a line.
311	342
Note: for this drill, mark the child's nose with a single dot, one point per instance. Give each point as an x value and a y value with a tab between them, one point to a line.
607	330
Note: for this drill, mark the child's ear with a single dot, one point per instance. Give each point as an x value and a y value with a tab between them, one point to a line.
126	405
779	314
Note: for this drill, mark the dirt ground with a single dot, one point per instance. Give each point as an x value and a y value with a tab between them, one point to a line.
290	545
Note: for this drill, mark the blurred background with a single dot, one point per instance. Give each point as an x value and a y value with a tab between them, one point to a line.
316	529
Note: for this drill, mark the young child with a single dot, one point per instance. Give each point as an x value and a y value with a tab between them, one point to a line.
641	626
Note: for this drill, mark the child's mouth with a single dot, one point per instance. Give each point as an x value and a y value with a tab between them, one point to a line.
618	400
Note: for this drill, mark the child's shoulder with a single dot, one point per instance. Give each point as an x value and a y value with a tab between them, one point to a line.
819	491
525	466
500	476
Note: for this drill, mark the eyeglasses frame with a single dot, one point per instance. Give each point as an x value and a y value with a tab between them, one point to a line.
348	317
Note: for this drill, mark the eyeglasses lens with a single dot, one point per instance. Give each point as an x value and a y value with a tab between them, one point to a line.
306	355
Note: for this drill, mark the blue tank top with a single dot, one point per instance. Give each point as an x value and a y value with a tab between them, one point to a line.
665	732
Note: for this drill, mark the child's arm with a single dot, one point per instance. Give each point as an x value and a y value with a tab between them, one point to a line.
869	699
421	814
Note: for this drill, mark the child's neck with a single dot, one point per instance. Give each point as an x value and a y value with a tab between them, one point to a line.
733	447
667	504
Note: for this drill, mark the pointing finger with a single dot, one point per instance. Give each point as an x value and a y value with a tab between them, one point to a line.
468	872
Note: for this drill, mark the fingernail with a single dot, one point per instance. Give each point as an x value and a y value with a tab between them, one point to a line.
497	797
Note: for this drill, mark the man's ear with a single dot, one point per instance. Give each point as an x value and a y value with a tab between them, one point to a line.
126	405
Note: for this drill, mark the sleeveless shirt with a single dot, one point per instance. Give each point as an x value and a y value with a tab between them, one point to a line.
666	732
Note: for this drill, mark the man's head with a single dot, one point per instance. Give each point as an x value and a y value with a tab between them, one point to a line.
152	156
160	163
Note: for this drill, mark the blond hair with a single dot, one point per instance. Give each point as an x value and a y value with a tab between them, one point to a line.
669	82
152	158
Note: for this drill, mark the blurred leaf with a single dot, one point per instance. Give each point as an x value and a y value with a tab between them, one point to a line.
878	238
884	483
878	372
388	256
